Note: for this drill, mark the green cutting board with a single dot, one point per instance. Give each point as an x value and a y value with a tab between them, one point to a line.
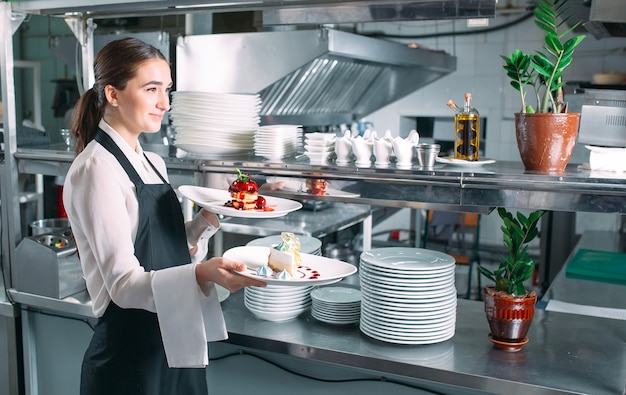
597	265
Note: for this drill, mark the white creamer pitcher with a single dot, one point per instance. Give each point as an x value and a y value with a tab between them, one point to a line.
363	149
404	149
383	147
343	148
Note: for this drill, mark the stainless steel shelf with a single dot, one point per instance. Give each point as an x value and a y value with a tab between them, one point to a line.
445	187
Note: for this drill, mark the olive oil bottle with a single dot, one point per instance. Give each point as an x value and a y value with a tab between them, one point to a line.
466	131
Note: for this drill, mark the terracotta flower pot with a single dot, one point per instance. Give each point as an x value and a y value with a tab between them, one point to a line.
545	140
509	317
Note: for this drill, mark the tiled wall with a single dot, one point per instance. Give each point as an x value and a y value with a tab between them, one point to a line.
479	71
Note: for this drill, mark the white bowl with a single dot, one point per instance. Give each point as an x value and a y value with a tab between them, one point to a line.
320	137
277	316
285	291
275	308
276	297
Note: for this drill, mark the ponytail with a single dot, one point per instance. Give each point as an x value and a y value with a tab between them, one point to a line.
87	114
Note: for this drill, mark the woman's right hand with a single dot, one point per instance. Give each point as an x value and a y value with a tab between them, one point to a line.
220	271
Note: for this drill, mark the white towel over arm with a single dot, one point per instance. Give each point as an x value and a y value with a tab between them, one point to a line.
188	319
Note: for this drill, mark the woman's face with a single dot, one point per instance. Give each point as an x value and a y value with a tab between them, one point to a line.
140	107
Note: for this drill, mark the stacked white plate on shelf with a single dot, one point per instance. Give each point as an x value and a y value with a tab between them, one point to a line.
408	295
277	141
318	147
308	244
214	124
277	302
336	305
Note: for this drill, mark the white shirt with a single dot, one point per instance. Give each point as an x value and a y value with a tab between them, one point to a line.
102	207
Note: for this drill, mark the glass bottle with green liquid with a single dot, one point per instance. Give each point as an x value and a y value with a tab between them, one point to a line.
466	130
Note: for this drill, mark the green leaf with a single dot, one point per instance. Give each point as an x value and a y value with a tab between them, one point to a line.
536	215
487	273
553	42
565	61
522	219
519	290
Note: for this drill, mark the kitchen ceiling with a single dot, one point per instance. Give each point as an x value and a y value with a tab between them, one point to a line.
326	11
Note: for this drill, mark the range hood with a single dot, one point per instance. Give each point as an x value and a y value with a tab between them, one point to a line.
308	77
607	18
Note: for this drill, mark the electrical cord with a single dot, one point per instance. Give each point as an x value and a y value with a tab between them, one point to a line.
381	379
83	320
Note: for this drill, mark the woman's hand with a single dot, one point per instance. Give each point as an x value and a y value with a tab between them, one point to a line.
220	271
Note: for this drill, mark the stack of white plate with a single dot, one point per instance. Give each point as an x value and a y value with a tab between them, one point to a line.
408	295
215	124
277	302
318	147
277	141
308	244
336	305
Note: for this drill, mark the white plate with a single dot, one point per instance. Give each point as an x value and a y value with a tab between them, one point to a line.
467	163
408	292
336	295
214	200
297	185
418	281
408	260
330	270
222	293
203	149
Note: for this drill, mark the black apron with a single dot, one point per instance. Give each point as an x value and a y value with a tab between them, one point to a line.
126	354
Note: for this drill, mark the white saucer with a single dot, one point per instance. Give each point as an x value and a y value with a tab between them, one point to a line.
466	163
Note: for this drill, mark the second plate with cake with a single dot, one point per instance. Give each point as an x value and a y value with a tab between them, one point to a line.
314	270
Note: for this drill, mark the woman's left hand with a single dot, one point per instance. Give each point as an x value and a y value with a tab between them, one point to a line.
220	271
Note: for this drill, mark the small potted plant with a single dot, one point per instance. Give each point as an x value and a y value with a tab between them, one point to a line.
509	306
548	120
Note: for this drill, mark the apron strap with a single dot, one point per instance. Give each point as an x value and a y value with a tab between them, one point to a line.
107	142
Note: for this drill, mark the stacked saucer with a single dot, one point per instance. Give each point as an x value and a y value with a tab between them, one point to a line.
214	124
318	147
336	305
277	302
408	295
277	141
308	244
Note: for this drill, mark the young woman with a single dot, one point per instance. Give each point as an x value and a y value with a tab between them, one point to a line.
156	308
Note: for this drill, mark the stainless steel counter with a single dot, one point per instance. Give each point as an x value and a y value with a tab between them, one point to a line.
571	290
446	187
565	355
585	355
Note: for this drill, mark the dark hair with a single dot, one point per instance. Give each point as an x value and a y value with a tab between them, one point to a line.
115	64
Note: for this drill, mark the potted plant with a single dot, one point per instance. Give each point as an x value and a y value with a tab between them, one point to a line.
509	306
540	127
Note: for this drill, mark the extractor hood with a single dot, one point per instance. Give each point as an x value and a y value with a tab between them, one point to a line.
607	18
308	77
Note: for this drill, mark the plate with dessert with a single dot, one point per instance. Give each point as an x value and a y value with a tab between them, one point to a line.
242	199
284	264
